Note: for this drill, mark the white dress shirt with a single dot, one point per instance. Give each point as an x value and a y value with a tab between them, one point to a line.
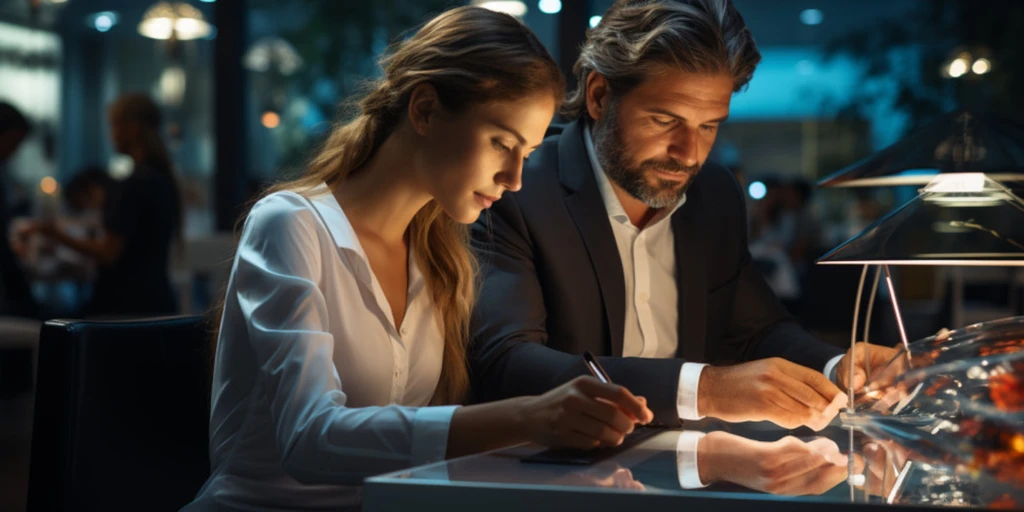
314	387
652	298
648	258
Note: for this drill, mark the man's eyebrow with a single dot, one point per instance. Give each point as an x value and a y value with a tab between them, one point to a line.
662	111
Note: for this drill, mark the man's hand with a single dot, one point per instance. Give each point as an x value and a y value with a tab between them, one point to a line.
774	389
865	357
788	466
881	463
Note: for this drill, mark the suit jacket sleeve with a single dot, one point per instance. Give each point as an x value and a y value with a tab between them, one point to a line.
510	356
760	327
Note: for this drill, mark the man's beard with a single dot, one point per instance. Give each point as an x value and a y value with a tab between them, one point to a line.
616	161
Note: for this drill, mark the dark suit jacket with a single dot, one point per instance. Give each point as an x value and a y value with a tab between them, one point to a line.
553	286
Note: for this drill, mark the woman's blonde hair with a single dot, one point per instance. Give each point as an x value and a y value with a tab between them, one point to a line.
470	55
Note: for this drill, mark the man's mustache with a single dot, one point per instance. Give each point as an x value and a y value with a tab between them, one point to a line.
670	165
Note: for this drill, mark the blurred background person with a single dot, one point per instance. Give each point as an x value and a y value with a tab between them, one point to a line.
87	190
800	224
86	196
19	325
142	216
772	228
15	294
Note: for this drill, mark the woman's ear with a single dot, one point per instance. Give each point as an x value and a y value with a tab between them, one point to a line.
423	107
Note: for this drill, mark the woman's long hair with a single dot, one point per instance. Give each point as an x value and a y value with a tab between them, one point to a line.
470	55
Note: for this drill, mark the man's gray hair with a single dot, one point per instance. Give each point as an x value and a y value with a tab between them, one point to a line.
637	38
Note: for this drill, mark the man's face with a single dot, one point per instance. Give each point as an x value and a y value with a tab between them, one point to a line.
9	142
653	140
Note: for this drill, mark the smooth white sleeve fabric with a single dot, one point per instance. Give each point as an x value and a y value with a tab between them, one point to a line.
320	439
686	459
686	396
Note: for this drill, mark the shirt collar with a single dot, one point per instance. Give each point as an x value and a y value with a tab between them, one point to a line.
344	236
342	232
611	201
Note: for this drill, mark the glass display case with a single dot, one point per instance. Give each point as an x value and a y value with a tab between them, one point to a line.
954	405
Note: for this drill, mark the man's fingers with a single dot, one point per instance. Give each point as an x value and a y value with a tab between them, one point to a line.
816	381
807	461
816	482
860	377
802	388
826	447
791	413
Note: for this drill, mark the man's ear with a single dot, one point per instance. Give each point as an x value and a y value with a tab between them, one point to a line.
598	95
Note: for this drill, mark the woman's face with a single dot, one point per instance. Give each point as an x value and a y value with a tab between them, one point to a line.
471	157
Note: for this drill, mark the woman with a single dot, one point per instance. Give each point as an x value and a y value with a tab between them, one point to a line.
342	344
142	215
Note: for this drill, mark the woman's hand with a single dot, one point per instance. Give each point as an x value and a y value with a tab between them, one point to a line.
583	413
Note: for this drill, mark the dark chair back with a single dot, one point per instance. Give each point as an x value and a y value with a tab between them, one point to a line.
121	415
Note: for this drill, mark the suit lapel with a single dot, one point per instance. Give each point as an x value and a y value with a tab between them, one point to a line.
588	212
691	277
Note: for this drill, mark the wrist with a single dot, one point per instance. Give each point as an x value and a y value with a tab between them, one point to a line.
519	420
707	458
705	387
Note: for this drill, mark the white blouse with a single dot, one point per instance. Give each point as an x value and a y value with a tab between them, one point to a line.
314	388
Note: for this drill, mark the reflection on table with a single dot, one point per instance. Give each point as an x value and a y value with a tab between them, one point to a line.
709	466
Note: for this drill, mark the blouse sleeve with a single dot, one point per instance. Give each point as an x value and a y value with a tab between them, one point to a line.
319	439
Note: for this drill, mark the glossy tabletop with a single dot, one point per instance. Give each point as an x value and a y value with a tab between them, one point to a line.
747	467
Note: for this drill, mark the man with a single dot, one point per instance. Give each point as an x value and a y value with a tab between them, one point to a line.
624	243
15	295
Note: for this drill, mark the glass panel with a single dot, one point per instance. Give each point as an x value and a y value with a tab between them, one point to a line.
963	223
960	141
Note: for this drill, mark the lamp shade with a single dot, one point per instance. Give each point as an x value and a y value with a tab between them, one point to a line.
960	141
272	54
177	20
958	219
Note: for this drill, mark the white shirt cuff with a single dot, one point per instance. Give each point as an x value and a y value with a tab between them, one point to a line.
686	459
830	367
686	397
430	433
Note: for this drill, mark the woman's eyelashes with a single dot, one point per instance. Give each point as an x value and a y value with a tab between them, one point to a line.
500	146
505	149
